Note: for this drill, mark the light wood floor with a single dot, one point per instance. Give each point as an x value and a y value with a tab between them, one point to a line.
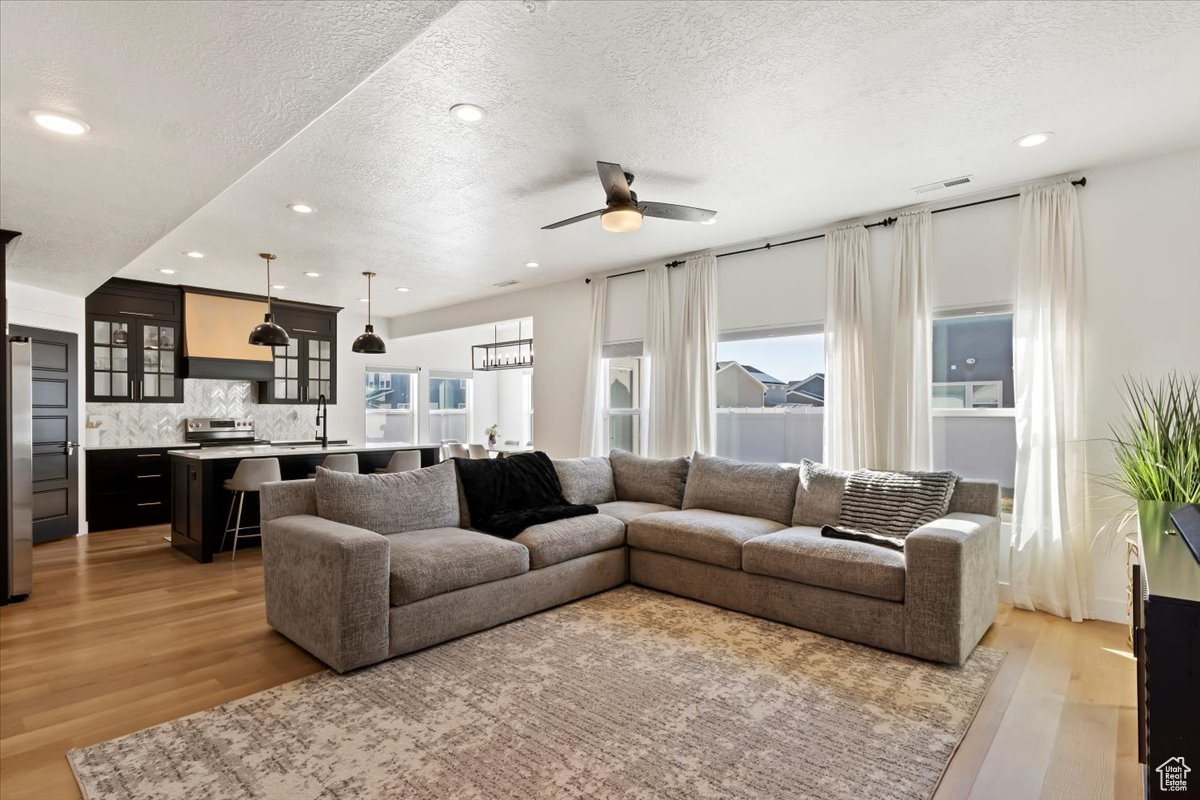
122	632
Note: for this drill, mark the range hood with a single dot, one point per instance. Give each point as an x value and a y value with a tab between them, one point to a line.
215	333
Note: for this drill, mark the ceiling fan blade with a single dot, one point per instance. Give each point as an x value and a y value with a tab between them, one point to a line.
672	211
616	188
573	220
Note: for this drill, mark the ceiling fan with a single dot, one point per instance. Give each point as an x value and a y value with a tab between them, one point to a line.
623	212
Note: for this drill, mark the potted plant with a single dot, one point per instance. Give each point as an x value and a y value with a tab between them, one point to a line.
492	432
1157	447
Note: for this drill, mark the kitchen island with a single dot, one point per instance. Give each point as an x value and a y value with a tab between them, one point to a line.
200	502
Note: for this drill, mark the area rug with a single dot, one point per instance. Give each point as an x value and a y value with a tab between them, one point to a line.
628	694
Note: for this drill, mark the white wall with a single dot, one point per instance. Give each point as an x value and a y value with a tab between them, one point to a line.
560	314
1142	251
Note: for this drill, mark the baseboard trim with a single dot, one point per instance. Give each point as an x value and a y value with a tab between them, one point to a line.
1106	609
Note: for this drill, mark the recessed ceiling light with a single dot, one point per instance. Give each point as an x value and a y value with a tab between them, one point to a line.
312	274
710	221
364	299
300	208
401	288
60	124
467	112
1033	139
167	271
278	286
532	264
194	254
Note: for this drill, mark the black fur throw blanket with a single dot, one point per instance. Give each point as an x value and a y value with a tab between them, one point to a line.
507	495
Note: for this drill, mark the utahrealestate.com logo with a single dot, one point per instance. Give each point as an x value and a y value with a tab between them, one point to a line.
1172	775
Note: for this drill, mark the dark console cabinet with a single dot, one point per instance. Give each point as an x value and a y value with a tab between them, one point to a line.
1166	618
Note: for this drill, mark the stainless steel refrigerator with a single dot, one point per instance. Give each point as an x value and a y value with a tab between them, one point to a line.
18	454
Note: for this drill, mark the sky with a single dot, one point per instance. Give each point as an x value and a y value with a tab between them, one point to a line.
788	358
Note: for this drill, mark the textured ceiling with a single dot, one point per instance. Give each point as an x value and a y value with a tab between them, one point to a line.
780	115
183	99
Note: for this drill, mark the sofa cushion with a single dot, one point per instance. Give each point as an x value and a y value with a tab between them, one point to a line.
564	539
818	494
649	480
629	510
761	490
392	502
894	503
425	563
586	481
801	554
713	537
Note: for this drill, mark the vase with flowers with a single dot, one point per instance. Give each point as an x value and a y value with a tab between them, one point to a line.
492	432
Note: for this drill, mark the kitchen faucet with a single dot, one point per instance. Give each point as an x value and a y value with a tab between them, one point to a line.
323	419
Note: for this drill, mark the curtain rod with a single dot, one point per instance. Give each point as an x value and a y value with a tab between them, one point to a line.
885	222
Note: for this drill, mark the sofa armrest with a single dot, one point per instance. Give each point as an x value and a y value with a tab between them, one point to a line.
951	585
287	499
327	588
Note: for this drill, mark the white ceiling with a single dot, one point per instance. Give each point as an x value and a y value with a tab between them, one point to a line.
183	99
780	115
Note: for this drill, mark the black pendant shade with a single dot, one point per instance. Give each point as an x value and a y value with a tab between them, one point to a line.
268	333
368	341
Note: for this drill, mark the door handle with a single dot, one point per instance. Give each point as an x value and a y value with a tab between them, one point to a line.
69	447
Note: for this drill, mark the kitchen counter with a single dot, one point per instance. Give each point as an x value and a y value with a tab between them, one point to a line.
200	502
278	450
143	446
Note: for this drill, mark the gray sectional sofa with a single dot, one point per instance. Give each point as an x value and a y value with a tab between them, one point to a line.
359	569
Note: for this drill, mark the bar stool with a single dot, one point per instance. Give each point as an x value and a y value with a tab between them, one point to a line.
457	451
250	475
402	461
339	462
477	451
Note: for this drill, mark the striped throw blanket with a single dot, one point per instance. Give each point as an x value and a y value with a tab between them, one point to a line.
884	507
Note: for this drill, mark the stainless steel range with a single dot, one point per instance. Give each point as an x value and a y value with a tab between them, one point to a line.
215	432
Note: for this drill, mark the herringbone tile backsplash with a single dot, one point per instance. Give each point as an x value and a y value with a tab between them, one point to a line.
162	423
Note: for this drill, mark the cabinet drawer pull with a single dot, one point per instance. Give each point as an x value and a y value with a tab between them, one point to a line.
155	503
303	330
134	313
149	455
159	475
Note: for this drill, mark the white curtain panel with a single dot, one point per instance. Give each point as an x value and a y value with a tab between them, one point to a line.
698	357
661	375
850	438
591	440
909	428
1050	549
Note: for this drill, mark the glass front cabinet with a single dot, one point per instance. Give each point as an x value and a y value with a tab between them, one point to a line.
307	367
134	344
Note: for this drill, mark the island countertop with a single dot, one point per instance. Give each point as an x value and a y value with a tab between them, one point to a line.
281	450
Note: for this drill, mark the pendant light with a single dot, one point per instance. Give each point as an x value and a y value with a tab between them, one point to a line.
368	341
267	333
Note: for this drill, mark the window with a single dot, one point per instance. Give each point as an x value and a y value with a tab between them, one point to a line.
391	405
974	427
770	387
623	398
527	405
450	406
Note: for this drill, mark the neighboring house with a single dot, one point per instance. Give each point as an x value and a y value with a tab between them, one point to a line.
809	391
743	386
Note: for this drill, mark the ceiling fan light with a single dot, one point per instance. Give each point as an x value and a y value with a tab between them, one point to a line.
621	219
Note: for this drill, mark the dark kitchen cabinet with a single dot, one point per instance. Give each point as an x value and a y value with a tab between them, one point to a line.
134	343
307	367
127	487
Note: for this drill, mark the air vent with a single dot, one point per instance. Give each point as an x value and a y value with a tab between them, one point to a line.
503	284
939	185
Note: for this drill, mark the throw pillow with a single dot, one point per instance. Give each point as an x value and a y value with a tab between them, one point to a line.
586	480
392	503
891	504
818	494
735	487
649	480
